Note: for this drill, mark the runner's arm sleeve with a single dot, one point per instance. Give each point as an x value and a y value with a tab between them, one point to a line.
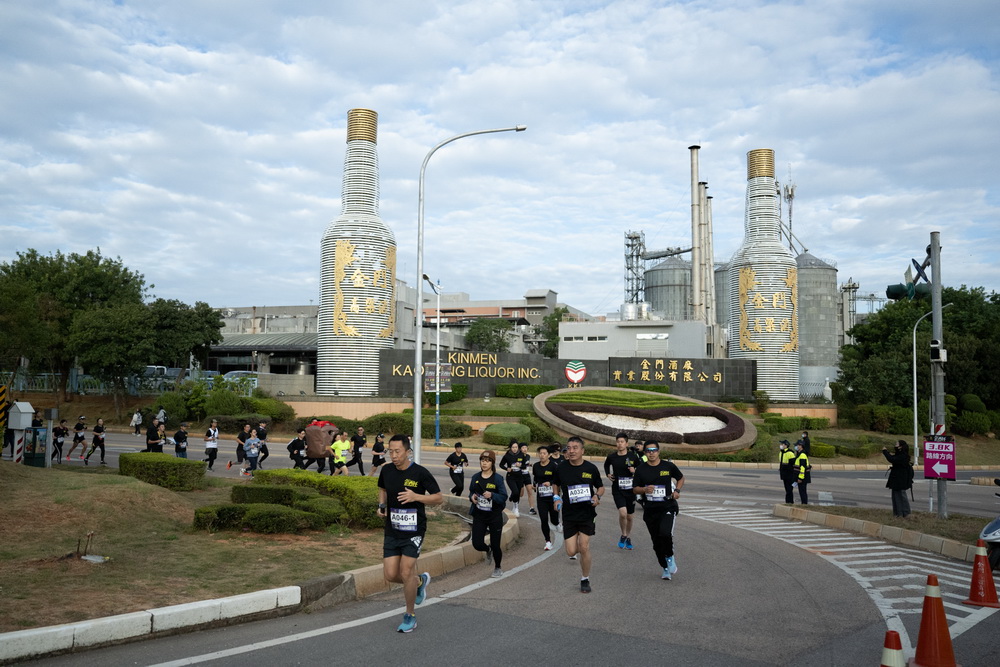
500	494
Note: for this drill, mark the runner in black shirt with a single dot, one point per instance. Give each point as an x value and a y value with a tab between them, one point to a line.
262	436
403	489
96	442
544	472
297	449
620	467
358	442
79	437
378	454
581	488
489	497
661	482
456	462
59	434
513	462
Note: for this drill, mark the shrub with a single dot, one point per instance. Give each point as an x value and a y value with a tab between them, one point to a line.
271	494
767	428
902	420
972	403
861	451
222	402
173	403
261	518
761	401
972	423
740	407
816	423
660	389
454	412
234	423
499	412
276	411
388	423
882	416
819	450
343	423
330	510
864	415
787	424
500	434
163	470
457	393
522	390
359	495
540	431
994	416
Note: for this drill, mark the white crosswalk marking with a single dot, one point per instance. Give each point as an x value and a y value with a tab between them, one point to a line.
894	576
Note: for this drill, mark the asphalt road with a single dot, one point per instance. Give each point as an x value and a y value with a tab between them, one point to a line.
741	597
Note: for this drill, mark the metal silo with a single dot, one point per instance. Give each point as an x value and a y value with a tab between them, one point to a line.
763	313
819	327
357	303
668	288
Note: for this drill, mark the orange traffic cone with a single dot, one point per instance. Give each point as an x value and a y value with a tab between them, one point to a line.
934	641
892	652
982	592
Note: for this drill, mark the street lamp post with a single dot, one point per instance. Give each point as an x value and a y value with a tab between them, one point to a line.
418	357
437	364
916	428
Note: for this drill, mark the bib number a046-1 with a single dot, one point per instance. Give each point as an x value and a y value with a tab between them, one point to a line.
403	519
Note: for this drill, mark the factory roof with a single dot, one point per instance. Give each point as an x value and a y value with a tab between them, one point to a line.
269	342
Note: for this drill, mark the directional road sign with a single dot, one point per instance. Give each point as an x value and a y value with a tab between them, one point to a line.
939	460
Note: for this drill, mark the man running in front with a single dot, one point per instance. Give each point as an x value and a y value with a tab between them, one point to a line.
582	488
620	466
403	489
661	482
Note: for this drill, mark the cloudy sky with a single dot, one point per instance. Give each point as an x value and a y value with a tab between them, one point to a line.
203	141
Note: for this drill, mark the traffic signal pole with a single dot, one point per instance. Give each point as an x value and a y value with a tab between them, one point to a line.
937	361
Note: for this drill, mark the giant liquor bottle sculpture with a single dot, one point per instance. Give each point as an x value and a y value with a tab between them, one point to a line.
764	288
357	302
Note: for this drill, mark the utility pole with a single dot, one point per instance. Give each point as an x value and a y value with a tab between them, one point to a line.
938	358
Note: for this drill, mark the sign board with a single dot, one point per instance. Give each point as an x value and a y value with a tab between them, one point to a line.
431	376
938	429
939	460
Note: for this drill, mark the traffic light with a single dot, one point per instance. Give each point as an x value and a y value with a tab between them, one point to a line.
901	291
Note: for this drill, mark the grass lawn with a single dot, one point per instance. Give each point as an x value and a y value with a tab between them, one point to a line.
959	527
156	557
978	451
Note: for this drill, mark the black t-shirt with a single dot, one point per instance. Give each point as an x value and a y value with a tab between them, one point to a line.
153	435
180	441
578	485
498	493
261	434
243	437
296	447
78	430
60	433
664	476
510	461
378	449
457	460
357	442
407	520
542	474
618	465
98	435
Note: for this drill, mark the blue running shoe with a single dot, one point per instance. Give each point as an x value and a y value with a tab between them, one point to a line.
425	580
409	622
621	542
672	565
628	543
666	574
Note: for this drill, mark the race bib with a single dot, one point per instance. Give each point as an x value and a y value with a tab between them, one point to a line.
579	493
545	492
624	482
659	493
457	469
485	504
403	519
515	468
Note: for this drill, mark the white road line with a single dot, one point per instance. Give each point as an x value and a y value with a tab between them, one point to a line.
257	646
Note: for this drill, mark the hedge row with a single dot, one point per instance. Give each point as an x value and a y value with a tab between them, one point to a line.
256	517
272	495
622	399
359	495
501	434
522	390
782	424
163	470
454	412
540	431
498	412
660	389
394	422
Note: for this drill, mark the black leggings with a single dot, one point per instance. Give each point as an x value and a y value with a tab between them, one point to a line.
661	529
356	460
56	450
547	513
263	453
210	454
458	479
492	522
95	446
515	480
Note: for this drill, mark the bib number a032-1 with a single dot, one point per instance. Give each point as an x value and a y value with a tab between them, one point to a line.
579	493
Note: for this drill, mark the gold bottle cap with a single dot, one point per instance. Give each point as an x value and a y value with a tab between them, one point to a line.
760	162
362	124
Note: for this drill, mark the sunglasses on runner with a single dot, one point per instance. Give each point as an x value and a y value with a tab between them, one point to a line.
652	449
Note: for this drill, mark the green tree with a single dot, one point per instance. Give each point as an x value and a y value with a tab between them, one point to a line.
549	330
23	332
183	331
67	286
114	344
489	335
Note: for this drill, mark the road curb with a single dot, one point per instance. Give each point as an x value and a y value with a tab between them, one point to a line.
894	534
313	594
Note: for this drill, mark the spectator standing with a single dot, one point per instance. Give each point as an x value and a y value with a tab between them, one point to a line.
154	439
900	478
786	470
136	422
802	468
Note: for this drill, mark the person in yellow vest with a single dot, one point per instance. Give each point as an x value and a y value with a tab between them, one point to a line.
338	460
802	467
786	470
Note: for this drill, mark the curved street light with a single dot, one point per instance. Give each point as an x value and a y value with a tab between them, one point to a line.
418	357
